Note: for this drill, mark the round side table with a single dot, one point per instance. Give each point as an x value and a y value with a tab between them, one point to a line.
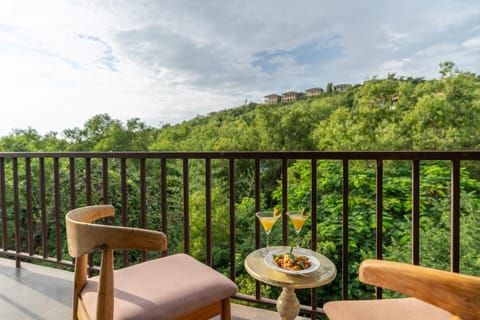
288	305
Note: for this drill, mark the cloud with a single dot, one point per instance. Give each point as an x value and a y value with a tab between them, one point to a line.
166	53
167	61
106	57
472	43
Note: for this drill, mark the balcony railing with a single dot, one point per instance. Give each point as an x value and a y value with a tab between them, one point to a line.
37	189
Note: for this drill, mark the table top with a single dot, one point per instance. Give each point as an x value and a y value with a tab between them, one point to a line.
256	267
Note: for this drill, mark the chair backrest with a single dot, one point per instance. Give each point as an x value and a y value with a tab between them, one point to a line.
456	293
84	237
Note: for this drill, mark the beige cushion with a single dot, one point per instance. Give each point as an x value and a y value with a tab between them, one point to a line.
391	309
164	288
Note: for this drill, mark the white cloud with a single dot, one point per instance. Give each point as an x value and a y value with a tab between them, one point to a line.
61	62
472	43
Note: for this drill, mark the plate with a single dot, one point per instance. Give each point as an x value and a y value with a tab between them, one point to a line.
269	262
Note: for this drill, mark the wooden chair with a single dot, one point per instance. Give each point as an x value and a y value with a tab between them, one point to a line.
434	294
173	287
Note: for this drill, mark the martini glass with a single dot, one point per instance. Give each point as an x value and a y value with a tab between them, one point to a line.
268	219
298	219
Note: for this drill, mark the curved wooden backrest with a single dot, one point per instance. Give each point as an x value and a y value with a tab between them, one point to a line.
456	293
84	237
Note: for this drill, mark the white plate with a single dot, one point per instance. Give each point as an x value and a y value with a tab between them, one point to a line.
271	264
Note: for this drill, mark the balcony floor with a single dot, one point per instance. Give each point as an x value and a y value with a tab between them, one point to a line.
36	292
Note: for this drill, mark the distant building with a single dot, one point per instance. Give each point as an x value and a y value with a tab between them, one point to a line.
341	87
290	96
313	92
272	99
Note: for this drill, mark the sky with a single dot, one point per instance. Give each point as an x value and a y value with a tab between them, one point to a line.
164	62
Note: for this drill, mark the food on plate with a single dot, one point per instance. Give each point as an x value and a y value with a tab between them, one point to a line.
290	261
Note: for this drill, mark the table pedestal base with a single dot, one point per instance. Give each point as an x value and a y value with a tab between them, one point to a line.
288	305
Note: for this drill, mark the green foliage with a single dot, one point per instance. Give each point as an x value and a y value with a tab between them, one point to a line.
102	133
30	140
447	68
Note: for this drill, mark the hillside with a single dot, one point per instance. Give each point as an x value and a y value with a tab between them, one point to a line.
381	114
386	114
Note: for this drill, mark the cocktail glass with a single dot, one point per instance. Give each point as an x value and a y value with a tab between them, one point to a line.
268	219
298	219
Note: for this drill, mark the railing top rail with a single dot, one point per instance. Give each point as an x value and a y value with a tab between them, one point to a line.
333	155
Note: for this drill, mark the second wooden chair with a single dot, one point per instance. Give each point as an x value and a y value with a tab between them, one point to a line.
434	294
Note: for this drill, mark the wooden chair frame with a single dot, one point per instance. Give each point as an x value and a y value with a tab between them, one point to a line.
85	237
456	293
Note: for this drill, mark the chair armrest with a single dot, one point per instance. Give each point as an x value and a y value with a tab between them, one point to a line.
456	293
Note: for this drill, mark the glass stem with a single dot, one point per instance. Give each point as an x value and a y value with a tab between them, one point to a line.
267	240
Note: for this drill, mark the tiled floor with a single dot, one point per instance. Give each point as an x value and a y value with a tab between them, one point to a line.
42	293
34	292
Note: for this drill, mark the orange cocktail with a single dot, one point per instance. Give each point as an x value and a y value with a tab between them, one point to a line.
267	223
298	219
268	219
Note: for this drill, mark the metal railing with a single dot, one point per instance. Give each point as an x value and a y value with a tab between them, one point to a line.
37	189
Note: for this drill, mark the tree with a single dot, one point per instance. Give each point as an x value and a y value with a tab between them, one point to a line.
102	133
329	88
30	140
447	69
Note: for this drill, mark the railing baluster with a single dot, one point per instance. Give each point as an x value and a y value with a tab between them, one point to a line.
124	210
257	202
257	223
208	209
88	195
143	201
163	179
314	205
58	231
3	205
88	180
43	207
16	211
73	193
345	193
186	205
28	198
105	181
313	243
379	227
455	217
231	179
284	202
415	212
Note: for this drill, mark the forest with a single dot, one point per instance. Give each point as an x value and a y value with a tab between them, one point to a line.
390	114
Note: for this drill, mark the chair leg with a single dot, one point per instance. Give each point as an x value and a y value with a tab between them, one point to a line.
226	309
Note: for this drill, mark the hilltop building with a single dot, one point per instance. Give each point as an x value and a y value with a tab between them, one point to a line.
313	92
290	96
272	99
342	87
